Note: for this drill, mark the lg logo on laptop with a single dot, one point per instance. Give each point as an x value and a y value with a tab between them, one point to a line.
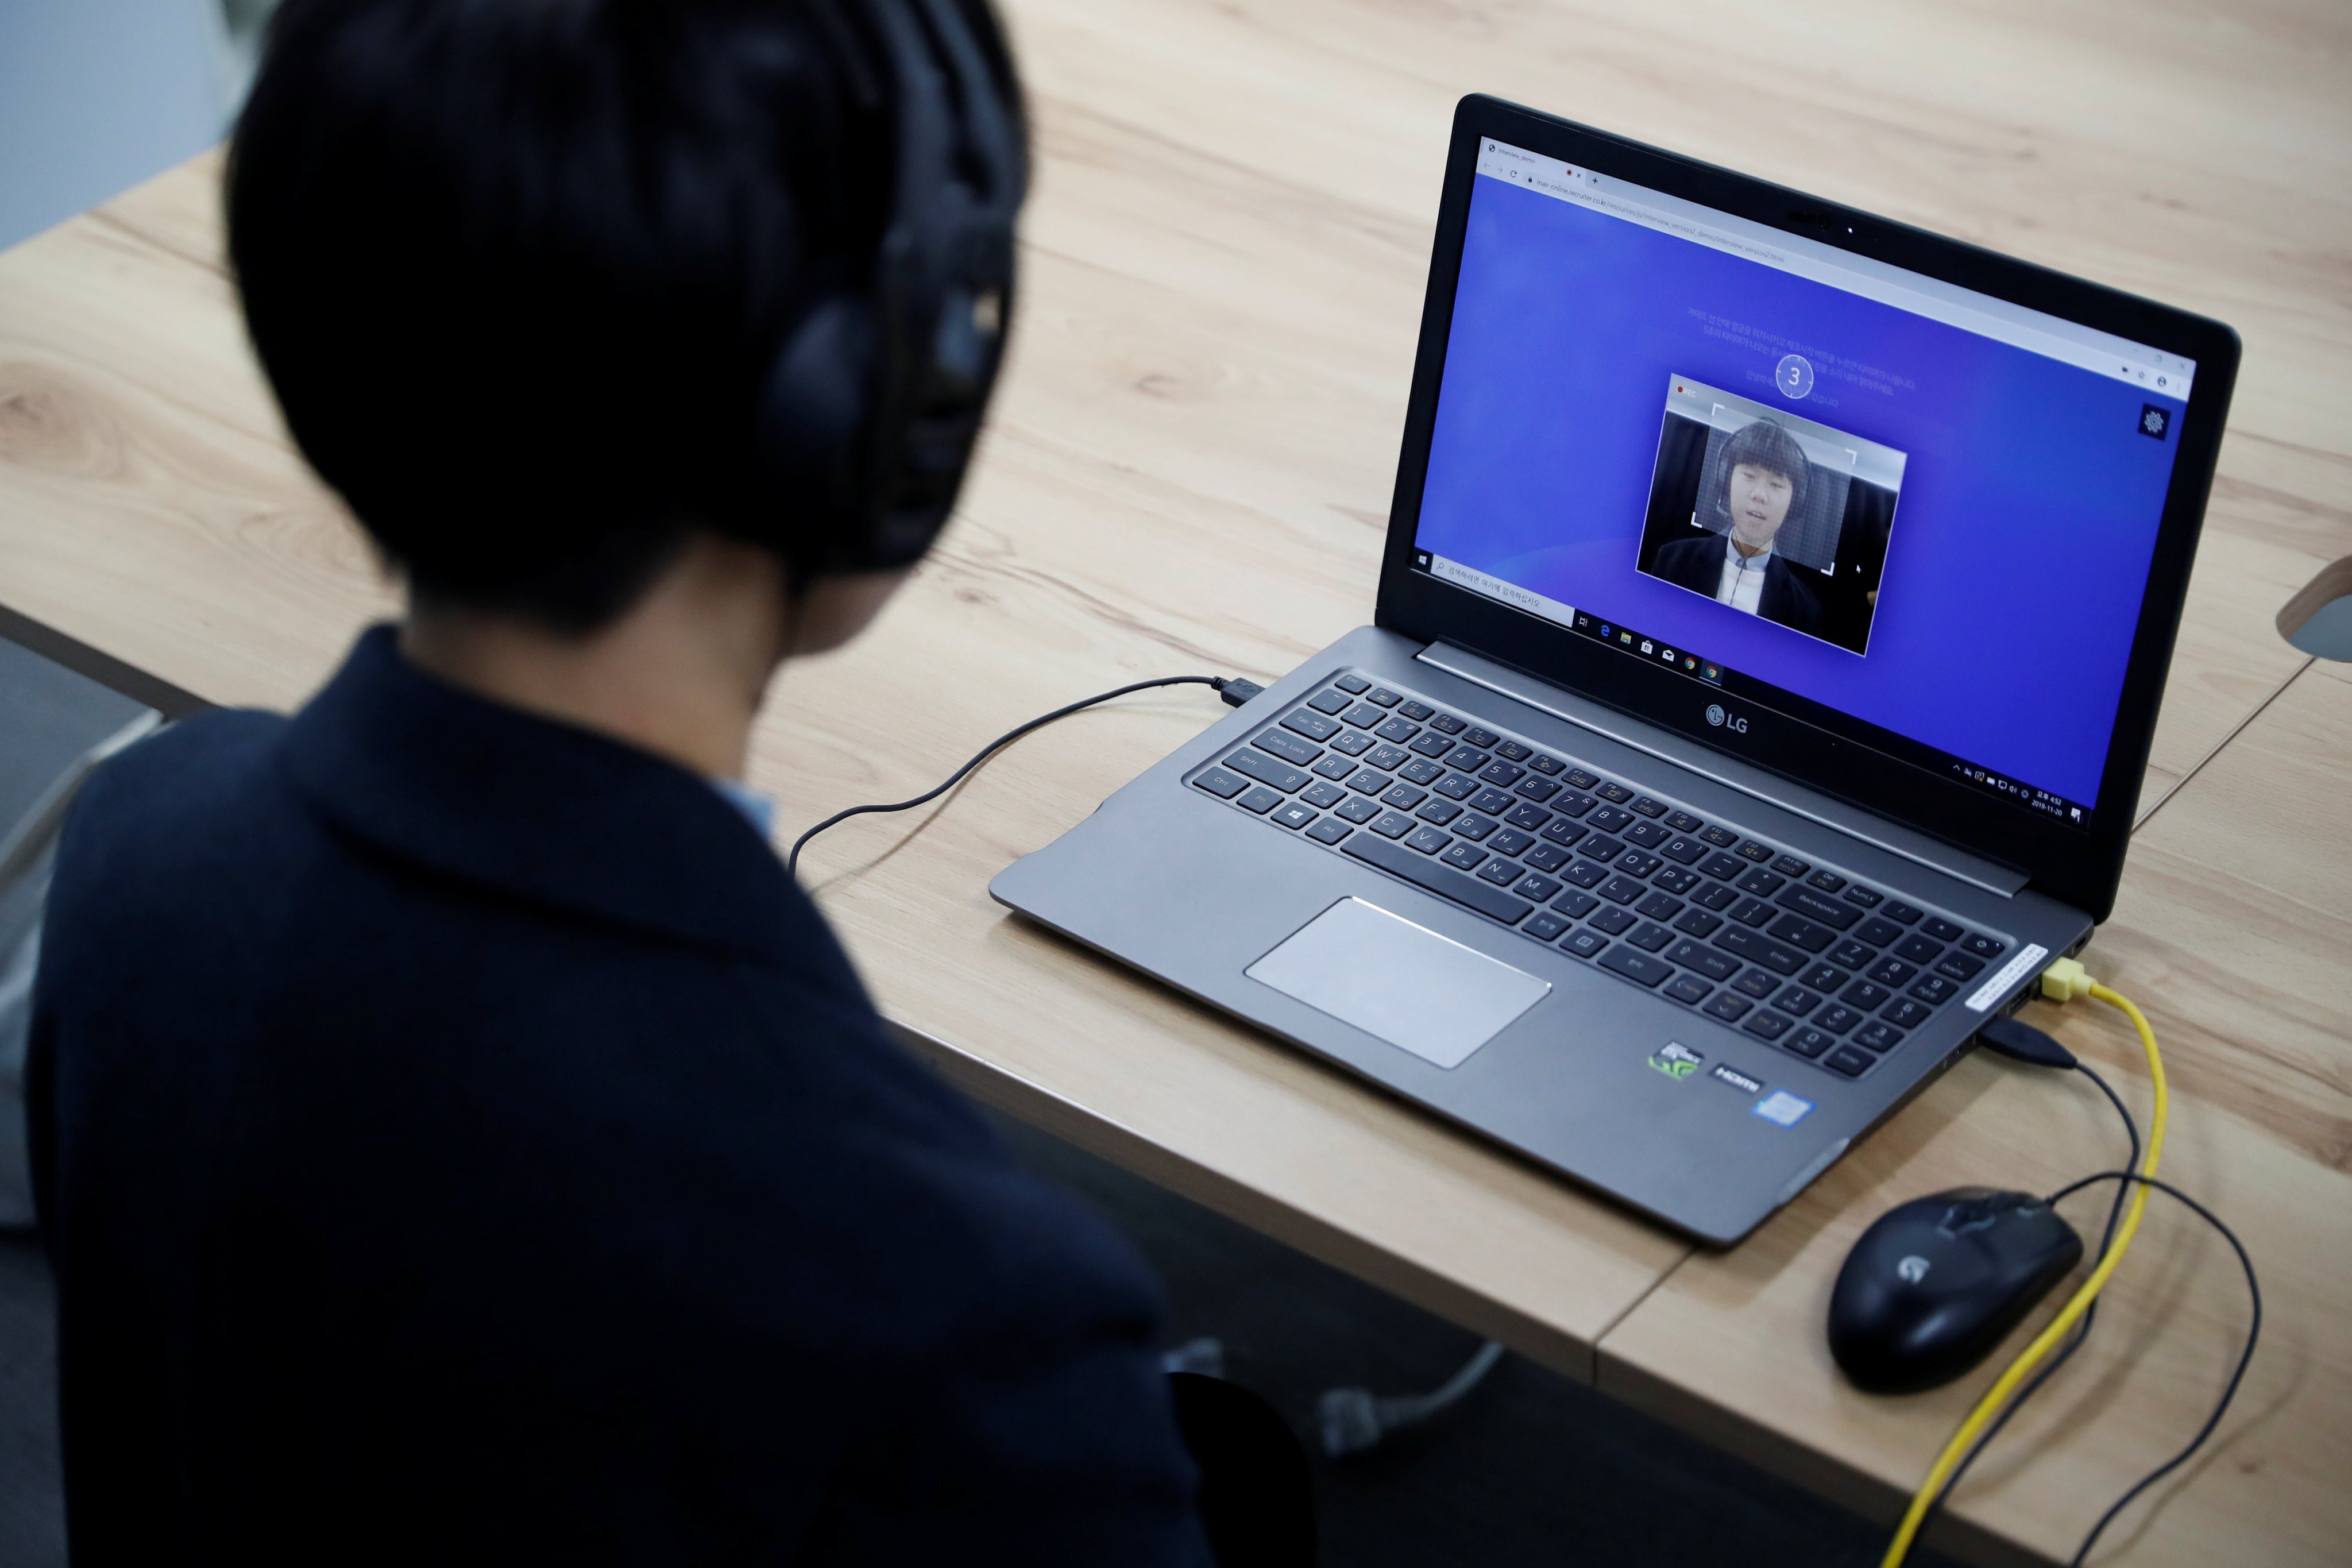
1722	720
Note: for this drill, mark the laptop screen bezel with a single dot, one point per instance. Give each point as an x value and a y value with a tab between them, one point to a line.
2081	865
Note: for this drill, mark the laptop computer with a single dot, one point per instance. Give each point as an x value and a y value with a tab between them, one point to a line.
1775	609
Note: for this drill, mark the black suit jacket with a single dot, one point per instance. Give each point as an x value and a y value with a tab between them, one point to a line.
457	1139
1697	564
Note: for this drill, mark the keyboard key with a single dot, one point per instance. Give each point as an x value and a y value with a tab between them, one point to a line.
1493	802
1359	810
1983	946
1878	930
1824	977
1906	1014
1751	912
1683	851
1790	866
1813	907
1475	827
1398	730
1481	739
1351	744
1456	786
1546	857
1901	912
1868	897
1728	1006
1684	822
1563	832
1585	874
1469	759
1421	770
1658	907
1578	779
1612	819
1649	938
1798	932
1381	697
1499	871
1796	1001
1323	794
1392	825
1845	1059
1313	726
1636	966
1436	879
1335	767
1715	896
1221	783
1760	854
1675	880
1637	863
1535	886
1261	800
1543	926
1826	880
1355	684
1610	789
1513	752
1705	959
1440	811
1878	1036
1935	990
1851	954
1918	949
1536	788
1544	765
1510	841
1416	712
1446	725
1807	1043
1959	966
1648	834
1432	744
1385	758
1759	949
1328	702
1768	1025
1331	830
1294	816
1757	983
1600	847
1722	837
1363	716
1760	882
1649	807
1622	890
1528	818
1574	803
1837	1020
1256	764
1722	866
1941	929
1698	923
1893	972
1502	775
1576	904
1613	920
1464	857
1868	995
1687	988
1428	840
1364	780
1584	943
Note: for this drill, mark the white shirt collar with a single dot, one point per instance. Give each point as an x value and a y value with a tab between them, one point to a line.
1755	562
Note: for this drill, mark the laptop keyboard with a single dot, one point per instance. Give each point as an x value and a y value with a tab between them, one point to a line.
1793	951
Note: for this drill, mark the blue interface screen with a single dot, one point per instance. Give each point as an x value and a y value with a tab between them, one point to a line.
2029	502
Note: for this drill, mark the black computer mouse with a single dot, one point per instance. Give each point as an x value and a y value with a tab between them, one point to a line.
1938	1282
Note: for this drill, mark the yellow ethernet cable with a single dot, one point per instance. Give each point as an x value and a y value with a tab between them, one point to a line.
2063	982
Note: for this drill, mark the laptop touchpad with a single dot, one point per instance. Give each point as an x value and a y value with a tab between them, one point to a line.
1403	982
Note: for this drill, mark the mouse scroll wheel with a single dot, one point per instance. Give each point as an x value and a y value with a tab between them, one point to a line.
1961	1218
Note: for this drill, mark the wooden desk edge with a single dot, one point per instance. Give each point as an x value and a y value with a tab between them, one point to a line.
1132	1151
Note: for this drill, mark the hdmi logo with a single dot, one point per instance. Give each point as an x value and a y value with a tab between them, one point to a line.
1721	720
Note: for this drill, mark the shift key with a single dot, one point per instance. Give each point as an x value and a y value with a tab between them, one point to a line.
1265	770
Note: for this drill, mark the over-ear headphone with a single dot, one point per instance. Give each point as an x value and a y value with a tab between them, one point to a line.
873	403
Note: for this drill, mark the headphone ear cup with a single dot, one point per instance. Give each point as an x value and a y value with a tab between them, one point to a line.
812	453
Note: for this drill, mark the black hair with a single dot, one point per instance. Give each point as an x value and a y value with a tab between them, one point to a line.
1761	444
516	269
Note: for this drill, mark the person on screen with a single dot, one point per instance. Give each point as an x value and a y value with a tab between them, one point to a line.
1766	477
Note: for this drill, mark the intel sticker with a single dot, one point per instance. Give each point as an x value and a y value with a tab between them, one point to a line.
1784	1108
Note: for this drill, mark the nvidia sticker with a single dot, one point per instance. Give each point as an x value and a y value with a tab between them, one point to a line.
1676	1060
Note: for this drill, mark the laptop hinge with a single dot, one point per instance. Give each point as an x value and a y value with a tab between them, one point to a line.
1838	815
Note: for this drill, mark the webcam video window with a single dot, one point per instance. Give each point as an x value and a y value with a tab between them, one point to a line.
1770	515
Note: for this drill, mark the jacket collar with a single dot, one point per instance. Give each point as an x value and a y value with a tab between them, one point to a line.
489	794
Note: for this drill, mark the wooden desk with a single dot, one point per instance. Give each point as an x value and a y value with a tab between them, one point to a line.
1191	471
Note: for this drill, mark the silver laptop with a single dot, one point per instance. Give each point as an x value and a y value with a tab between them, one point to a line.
1776	605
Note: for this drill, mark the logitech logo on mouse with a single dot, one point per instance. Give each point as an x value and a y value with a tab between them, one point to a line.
1913	1270
1721	720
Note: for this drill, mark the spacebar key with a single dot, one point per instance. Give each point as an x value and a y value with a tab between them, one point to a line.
1423	872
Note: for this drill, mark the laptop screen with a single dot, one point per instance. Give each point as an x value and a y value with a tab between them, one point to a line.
1869	499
